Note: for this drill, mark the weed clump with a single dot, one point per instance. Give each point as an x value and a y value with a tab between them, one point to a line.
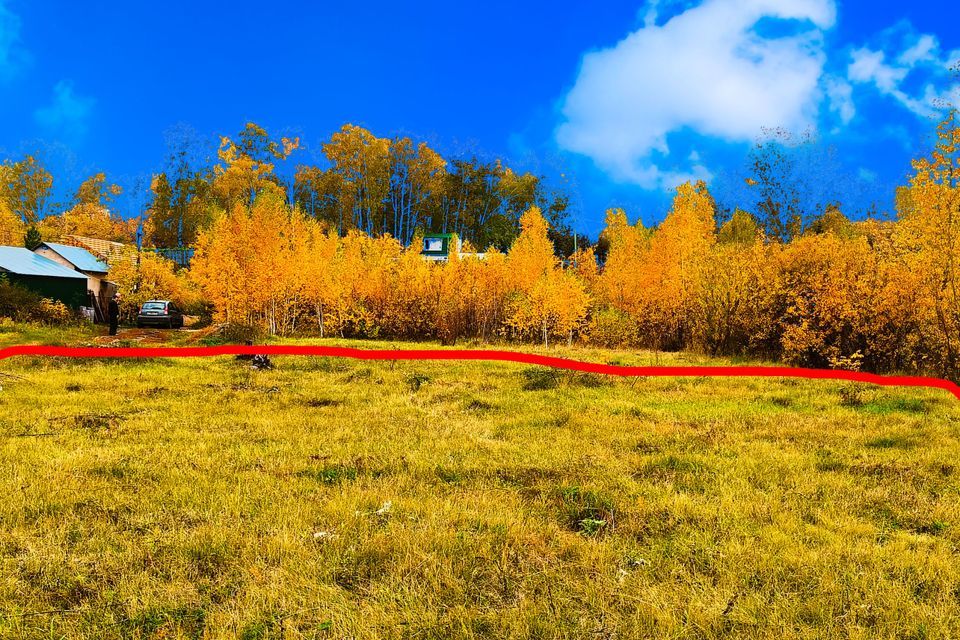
233	333
478	405
891	442
586	511
449	475
852	396
539	379
417	380
895	405
187	622
317	403
97	421
331	474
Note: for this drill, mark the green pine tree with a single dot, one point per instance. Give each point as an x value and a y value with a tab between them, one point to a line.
32	239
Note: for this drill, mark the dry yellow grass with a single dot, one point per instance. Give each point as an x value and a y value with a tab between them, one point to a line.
341	499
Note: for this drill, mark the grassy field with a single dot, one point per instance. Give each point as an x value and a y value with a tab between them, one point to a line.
339	499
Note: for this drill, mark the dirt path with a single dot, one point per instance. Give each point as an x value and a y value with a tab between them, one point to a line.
140	336
131	336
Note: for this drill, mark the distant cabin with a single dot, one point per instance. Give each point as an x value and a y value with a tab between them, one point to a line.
438	246
43	276
99	289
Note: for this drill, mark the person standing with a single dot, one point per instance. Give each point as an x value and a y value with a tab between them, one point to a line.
113	313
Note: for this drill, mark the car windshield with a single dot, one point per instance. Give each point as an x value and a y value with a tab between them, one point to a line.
154	306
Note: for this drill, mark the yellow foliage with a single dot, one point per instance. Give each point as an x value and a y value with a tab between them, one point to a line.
12	229
927	238
547	300
882	295
88	219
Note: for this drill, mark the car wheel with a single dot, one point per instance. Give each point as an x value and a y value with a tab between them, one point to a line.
139	325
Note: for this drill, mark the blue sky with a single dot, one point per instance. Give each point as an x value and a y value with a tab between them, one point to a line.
615	102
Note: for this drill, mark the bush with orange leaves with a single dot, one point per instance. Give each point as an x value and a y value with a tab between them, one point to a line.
546	300
825	288
654	277
927	241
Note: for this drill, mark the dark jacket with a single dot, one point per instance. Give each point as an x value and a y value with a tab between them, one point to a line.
113	310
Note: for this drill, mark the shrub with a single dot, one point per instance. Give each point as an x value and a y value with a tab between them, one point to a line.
611	328
236	333
22	305
53	312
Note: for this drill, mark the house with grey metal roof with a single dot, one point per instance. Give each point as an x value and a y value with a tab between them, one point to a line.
86	262
43	276
73	257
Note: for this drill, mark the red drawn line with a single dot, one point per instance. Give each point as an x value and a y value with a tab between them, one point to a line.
484	355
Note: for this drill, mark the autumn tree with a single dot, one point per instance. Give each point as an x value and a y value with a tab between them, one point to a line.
548	300
88	219
828	282
321	194
773	179
247	166
417	176
26	187
678	250
12	228
249	263
322	288
181	199
741	228
928	234
832	220
361	163
623	282
96	191
397	186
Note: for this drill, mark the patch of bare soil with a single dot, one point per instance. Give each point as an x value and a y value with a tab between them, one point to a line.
197	335
144	337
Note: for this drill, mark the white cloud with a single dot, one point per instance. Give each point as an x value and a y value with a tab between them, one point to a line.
870	67
12	55
67	115
840	94
650	13
922	51
706	70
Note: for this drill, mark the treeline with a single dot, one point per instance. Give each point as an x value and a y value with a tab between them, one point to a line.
375	185
881	295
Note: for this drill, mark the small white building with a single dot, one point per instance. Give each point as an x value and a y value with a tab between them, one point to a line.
437	247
